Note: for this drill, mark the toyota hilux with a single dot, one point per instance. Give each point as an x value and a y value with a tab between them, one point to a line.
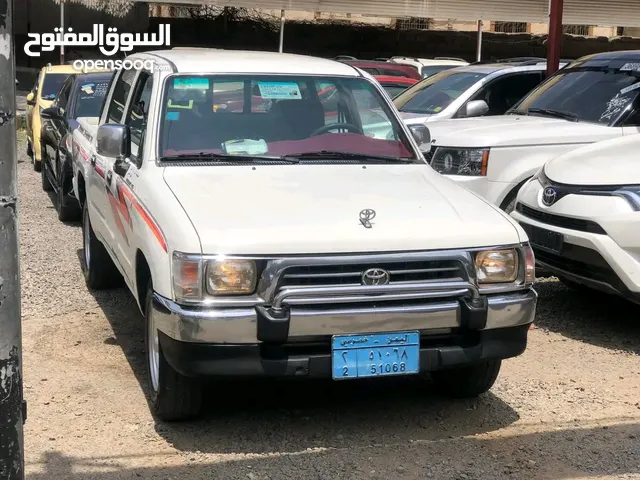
265	229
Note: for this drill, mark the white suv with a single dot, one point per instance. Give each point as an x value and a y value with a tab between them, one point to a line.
427	67
582	215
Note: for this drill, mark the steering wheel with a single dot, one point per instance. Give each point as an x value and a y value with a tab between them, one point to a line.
333	126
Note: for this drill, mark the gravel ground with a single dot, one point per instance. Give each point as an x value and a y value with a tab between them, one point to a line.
568	408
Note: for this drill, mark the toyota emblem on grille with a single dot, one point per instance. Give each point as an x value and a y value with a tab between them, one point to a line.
549	196
366	216
375	276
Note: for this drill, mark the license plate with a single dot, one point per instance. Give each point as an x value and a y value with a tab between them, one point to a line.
540	237
375	355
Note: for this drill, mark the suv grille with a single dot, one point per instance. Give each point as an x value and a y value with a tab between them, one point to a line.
351	275
560	221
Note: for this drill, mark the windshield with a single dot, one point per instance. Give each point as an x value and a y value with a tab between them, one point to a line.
274	116
590	95
90	96
51	85
428	71
436	93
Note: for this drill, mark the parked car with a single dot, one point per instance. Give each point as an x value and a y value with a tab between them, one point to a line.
384	68
473	91
81	95
41	96
582	215
259	243
395	85
428	67
594	98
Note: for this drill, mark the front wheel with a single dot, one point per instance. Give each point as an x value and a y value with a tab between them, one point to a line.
467	382
68	209
172	396
99	270
46	184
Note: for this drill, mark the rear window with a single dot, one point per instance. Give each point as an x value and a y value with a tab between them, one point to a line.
90	96
51	85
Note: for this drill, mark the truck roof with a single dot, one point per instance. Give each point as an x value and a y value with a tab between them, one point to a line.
209	60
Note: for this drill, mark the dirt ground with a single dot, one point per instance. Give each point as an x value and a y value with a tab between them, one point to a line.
569	408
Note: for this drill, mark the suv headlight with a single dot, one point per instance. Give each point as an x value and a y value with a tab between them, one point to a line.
193	277
497	266
461	161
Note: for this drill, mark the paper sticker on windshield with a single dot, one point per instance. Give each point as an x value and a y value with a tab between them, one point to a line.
279	90
192	83
630	67
88	88
630	88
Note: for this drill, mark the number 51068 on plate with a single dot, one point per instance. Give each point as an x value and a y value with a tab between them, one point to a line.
375	355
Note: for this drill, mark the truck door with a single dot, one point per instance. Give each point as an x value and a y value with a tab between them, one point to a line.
101	173
127	230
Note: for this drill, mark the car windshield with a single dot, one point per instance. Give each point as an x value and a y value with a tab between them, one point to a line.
51	85
598	95
434	94
394	90
428	71
90	96
277	116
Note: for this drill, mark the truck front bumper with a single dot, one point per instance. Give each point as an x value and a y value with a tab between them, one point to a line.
250	341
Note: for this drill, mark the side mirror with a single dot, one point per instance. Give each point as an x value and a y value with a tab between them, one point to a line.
31	98
52	113
476	108
113	141
422	135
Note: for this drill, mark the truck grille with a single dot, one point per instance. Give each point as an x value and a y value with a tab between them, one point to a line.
351	275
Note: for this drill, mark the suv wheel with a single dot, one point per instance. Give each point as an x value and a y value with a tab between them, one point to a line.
70	211
172	396
46	184
99	271
467	382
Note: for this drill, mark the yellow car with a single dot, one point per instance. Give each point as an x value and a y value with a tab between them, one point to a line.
49	81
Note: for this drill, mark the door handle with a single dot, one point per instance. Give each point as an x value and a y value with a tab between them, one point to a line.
109	177
93	161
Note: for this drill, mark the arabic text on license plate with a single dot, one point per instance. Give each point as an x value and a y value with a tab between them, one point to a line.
375	355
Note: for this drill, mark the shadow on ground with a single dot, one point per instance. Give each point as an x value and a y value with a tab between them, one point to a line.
589	316
559	454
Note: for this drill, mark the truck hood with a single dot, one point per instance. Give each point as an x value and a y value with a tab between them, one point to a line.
613	162
309	209
516	130
413	118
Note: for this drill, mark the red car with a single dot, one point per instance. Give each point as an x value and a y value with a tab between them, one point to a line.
385	68
395	85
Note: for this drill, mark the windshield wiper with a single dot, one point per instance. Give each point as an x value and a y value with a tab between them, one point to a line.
338	155
226	157
554	113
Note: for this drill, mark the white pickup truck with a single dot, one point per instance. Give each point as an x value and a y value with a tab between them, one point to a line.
266	230
592	99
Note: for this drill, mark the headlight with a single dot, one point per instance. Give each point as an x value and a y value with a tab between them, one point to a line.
194	277
231	277
461	161
497	266
631	194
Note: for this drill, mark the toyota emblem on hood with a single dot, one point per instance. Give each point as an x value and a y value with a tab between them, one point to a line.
375	276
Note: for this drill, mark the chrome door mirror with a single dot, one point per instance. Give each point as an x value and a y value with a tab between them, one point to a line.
113	141
422	136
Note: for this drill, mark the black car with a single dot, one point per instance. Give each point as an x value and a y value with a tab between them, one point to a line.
81	95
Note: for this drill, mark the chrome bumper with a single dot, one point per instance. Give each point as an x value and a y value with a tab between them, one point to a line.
297	322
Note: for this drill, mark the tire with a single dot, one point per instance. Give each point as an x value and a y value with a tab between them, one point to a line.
46	184
172	396
99	271
29	150
467	382
66	213
37	164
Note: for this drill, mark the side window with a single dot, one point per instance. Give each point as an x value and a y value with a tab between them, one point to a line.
138	111
119	97
63	97
504	93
